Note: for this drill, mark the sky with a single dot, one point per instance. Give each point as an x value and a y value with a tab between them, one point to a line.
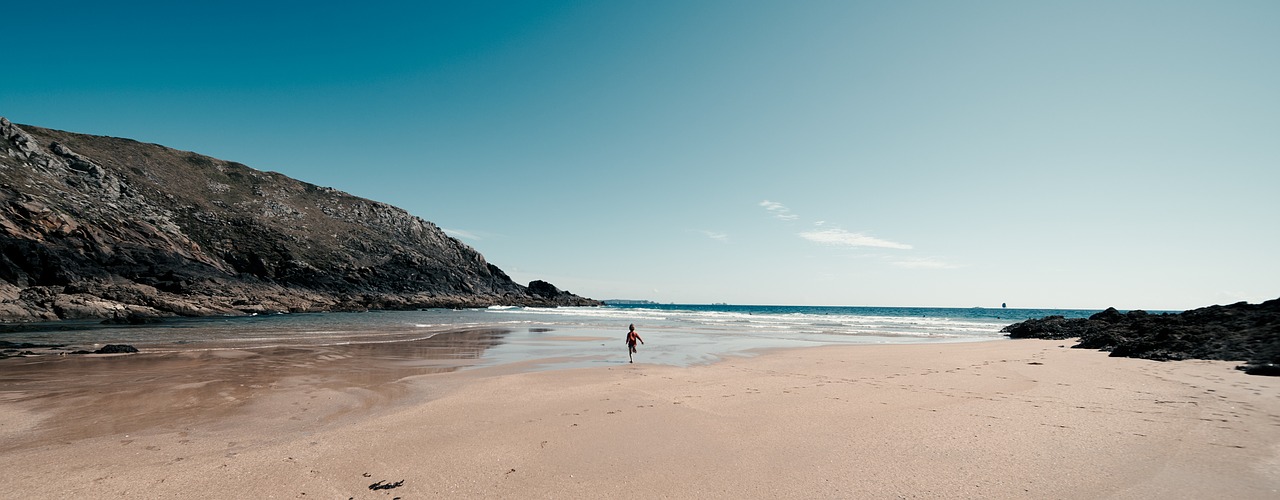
1047	154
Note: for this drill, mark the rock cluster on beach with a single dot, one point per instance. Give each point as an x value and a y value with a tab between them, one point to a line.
103	227
1237	332
15	349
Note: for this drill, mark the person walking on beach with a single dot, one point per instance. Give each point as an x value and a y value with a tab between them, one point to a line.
632	337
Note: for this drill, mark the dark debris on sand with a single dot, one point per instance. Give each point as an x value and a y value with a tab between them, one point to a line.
383	485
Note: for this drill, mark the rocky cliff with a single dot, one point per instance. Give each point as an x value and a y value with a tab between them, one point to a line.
103	227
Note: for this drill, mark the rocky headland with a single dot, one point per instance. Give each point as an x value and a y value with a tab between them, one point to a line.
111	228
1236	332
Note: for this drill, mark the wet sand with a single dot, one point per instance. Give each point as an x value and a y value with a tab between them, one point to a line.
1001	419
75	397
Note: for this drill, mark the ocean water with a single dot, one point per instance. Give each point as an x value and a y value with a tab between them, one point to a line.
555	337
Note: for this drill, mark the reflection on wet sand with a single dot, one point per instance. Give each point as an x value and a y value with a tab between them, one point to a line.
66	398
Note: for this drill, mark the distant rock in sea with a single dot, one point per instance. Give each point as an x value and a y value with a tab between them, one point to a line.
1237	332
110	228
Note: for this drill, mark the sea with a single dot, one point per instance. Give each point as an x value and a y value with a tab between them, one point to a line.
562	337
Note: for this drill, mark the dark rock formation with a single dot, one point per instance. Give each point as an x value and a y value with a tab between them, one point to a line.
116	349
546	290
1238	332
1269	369
102	227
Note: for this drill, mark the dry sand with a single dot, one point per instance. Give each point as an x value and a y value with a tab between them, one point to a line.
1001	419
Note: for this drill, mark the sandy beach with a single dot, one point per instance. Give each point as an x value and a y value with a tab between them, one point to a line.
996	419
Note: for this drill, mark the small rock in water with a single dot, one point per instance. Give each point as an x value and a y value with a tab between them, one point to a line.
116	349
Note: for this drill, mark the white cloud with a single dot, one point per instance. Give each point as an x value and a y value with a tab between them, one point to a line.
845	238
779	210
923	263
715	235
460	234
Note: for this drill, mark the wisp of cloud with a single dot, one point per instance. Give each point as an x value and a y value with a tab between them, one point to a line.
845	238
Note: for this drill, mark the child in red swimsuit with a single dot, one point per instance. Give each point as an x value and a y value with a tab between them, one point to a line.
632	337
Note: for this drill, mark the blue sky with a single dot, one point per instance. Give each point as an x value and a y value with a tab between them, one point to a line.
1043	154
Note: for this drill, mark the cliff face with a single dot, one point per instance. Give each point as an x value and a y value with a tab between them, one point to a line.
95	226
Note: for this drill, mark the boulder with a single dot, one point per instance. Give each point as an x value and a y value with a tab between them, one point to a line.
1270	369
543	289
116	349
